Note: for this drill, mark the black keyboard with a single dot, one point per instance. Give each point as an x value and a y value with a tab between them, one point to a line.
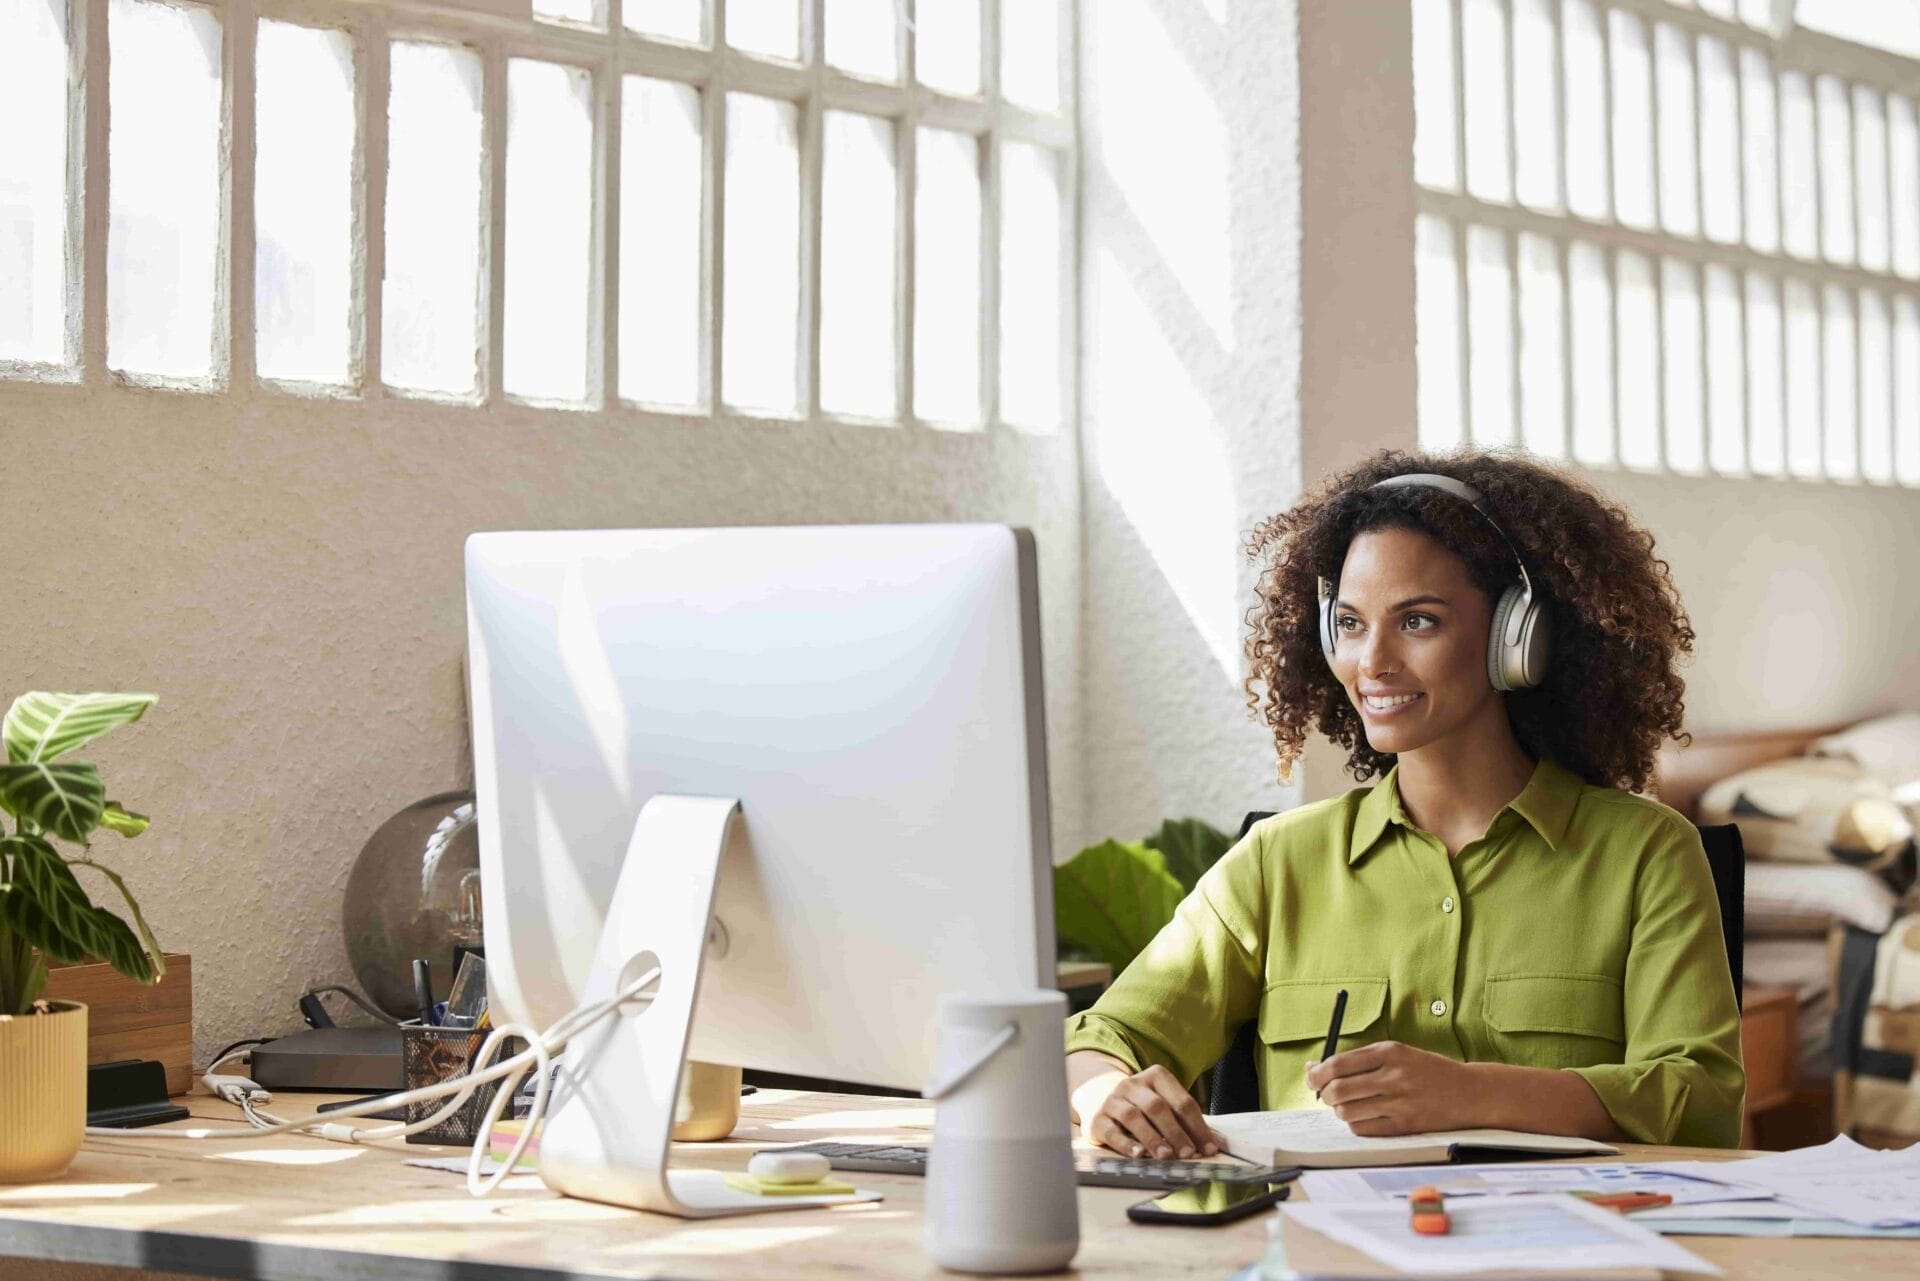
1093	1170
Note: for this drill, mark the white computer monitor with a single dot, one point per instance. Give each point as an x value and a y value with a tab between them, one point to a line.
871	695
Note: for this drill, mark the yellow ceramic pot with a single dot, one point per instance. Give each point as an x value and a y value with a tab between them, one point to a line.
43	1091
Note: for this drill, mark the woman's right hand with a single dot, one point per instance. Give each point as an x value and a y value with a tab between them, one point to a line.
1136	1113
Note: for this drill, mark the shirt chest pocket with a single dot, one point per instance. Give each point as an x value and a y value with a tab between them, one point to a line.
1294	1014
1557	1020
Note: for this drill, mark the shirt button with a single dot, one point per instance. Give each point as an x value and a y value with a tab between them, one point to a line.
1446	905
1438	1008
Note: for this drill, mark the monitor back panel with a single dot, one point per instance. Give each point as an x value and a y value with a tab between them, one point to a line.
872	696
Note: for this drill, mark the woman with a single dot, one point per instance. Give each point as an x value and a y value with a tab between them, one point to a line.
1525	943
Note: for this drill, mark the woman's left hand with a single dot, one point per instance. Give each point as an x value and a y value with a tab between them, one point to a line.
1388	1088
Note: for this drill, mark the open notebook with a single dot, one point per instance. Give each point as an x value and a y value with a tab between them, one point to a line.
1318	1138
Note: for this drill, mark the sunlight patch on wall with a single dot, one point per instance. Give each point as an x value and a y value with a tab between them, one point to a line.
1165	149
1164	460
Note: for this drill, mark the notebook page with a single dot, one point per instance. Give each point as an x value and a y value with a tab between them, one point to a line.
1310	1130
1322	1130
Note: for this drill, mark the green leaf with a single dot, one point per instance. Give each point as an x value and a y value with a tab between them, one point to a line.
125	822
116	945
41	726
43	902
21	913
48	907
66	800
1113	898
1191	847
147	941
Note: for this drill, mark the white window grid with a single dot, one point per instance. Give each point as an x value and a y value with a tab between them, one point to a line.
607	50
1814	432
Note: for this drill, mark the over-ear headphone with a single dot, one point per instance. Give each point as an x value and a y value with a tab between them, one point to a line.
1517	643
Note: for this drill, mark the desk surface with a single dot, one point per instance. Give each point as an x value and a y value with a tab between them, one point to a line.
297	1209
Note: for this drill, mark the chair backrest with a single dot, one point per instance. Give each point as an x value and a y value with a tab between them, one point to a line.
1235	1080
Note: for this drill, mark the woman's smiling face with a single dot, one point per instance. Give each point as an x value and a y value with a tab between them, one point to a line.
1410	640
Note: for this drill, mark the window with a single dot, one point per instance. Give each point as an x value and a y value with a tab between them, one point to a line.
431	332
164	199
657	206
1656	236
303	203
34	208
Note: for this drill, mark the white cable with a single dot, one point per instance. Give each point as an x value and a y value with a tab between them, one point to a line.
538	1056
483	1140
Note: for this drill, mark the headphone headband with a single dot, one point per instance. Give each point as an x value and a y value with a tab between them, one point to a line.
1460	489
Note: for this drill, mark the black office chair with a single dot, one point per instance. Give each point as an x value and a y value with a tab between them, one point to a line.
1235	1081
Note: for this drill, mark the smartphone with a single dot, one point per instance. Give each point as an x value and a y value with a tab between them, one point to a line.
1207	1205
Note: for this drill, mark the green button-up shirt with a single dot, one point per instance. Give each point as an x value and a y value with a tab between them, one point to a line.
1580	932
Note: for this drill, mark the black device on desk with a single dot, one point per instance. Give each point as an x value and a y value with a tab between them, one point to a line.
1091	1169
349	1060
1207	1205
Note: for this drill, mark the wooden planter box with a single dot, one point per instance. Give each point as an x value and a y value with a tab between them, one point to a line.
128	1021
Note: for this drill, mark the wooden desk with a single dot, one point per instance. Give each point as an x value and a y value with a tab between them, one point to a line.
308	1210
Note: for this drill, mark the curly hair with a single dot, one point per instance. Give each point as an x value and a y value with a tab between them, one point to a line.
1611	692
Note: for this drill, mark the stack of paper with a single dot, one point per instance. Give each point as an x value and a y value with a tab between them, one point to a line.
1536	1235
1754	1219
1514	1180
1838	1189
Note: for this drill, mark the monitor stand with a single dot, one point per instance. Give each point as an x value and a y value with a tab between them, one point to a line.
610	1136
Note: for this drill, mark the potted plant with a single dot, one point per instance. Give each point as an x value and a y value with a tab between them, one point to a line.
45	914
1110	899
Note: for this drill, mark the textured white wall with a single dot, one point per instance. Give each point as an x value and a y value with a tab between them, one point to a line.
286	575
1190	377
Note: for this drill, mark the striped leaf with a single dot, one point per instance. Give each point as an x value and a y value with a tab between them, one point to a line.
45	904
148	943
66	800
42	727
123	821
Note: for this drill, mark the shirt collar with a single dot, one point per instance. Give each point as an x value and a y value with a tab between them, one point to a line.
1378	807
1546	802
1548	799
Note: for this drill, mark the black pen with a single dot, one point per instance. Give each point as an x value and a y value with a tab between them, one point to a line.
423	992
1333	1028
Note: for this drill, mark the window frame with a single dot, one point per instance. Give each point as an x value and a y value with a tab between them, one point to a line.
608	52
1814	55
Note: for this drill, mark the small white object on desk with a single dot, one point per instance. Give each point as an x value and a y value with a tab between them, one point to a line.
788	1167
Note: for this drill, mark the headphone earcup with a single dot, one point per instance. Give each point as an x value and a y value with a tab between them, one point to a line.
1326	626
1517	643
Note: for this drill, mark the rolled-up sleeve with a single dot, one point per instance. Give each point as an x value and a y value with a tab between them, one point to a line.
1180	1000
1682	1080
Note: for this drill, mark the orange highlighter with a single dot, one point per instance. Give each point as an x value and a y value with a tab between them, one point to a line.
1625	1202
1429	1212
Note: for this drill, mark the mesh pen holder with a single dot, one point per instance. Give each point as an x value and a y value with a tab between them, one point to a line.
430	1055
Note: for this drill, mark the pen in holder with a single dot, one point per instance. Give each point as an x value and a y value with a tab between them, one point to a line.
430	1055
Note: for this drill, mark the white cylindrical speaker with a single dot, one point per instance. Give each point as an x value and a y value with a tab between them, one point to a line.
1000	1182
